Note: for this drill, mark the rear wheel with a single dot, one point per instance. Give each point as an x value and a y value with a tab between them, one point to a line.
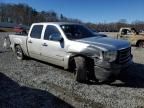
80	69
19	52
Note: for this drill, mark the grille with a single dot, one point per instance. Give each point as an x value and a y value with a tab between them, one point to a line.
123	55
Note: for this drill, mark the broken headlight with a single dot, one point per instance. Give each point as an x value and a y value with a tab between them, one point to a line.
109	56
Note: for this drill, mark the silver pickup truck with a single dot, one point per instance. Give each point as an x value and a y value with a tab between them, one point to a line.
74	47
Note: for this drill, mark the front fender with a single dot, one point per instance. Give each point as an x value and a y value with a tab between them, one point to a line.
68	57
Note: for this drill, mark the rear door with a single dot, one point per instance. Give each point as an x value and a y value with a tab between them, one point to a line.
53	50
34	41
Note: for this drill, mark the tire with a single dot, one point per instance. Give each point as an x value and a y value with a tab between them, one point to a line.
109	80
19	52
141	44
80	69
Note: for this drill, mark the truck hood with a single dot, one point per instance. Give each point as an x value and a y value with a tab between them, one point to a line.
105	43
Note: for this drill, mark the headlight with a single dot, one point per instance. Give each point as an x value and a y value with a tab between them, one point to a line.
109	56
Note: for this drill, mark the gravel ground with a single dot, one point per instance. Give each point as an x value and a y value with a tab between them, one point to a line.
34	84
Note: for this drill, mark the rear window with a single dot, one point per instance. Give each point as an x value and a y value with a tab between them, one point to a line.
36	31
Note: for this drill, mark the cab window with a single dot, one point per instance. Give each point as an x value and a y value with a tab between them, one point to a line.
126	32
36	31
51	31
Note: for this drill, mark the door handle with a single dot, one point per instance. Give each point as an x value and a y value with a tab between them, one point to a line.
44	44
29	41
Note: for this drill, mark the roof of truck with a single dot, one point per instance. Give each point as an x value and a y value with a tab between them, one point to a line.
58	23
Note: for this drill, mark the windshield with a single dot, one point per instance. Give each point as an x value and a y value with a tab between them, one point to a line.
76	32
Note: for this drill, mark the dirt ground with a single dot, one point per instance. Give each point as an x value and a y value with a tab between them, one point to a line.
35	84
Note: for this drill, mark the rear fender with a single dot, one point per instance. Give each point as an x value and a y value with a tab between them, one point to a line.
17	42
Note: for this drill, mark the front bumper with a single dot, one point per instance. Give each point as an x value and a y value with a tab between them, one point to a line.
103	69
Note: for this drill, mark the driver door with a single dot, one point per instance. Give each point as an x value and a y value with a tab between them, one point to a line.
126	35
52	47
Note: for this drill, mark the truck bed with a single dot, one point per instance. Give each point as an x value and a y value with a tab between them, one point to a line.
19	39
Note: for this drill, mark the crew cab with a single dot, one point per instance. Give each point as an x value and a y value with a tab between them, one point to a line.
76	48
131	35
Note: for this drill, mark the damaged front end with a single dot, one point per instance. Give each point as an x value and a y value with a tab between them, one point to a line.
108	63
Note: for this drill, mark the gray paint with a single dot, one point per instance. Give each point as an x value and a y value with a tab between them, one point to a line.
106	43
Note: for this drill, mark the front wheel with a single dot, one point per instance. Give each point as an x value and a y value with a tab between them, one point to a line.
80	69
19	52
109	80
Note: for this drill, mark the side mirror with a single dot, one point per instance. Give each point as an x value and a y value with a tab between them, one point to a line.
55	37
